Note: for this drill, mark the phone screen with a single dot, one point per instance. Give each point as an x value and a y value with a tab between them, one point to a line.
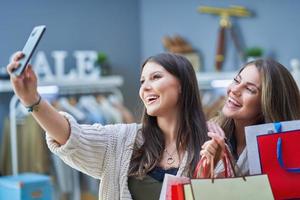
29	48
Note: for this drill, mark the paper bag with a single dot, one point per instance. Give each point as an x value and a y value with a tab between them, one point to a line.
280	159
253	131
253	187
170	180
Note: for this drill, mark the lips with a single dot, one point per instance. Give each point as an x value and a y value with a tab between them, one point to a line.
233	103
151	99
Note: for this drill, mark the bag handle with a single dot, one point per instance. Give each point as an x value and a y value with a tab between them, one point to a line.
201	170
280	159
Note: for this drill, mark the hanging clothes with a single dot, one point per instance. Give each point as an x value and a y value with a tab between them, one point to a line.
33	154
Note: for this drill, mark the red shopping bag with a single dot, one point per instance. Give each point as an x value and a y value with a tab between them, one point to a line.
280	159
177	192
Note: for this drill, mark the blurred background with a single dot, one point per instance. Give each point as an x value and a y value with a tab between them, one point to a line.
109	40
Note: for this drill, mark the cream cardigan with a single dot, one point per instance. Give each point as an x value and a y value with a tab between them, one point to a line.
103	152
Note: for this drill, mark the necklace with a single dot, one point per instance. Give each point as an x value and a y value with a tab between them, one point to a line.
170	159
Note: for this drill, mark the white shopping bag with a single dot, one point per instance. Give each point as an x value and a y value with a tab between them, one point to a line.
251	134
170	180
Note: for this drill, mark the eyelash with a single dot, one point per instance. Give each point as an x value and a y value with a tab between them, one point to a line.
155	76
236	81
250	90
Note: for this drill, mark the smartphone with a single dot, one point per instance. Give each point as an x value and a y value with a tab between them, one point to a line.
31	44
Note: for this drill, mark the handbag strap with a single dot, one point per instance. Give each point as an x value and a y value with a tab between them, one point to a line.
202	171
280	159
278	127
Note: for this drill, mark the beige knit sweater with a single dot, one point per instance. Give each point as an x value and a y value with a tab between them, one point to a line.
103	152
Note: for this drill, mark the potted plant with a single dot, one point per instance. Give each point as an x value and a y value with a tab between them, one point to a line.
102	62
253	53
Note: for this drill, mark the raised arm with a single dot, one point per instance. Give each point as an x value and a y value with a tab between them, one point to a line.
25	87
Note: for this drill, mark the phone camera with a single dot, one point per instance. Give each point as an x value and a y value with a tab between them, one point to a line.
33	33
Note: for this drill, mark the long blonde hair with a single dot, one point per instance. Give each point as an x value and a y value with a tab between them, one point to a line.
280	98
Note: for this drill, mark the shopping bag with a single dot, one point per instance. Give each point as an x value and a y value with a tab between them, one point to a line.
175	187
188	192
230	187
236	188
169	181
177	192
280	159
253	131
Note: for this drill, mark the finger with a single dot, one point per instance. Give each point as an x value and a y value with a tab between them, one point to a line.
213	143
11	67
211	149
206	154
213	135
29	72
205	144
217	129
219	138
18	55
201	153
209	127
221	131
220	142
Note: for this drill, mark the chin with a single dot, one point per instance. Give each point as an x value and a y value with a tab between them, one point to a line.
151	113
228	113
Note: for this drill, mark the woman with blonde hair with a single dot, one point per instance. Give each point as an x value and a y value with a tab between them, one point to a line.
263	91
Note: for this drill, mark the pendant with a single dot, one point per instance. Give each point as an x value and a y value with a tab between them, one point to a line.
170	161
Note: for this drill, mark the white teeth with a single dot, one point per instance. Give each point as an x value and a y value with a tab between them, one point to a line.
234	101
151	97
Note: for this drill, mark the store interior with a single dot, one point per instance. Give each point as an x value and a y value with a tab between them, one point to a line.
88	63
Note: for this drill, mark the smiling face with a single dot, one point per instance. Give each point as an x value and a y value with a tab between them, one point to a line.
159	90
244	96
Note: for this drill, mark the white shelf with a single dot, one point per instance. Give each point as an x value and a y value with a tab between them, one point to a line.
208	80
80	85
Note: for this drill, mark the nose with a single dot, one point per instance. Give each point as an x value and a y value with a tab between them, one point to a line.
236	89
146	85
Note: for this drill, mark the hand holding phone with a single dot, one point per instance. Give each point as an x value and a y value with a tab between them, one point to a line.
29	48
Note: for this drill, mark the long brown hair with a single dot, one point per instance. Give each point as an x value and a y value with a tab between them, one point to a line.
191	132
280	98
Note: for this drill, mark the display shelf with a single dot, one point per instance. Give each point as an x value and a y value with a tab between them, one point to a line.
210	80
75	85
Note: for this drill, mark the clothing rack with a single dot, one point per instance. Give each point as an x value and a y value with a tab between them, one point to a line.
109	84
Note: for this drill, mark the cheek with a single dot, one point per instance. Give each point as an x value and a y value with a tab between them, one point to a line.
228	89
141	93
254	105
174	96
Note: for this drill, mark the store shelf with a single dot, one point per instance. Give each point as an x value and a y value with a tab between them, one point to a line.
75	85
209	80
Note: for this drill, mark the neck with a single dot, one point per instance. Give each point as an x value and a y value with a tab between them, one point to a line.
168	125
239	134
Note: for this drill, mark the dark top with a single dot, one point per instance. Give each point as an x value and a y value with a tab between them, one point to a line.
149	187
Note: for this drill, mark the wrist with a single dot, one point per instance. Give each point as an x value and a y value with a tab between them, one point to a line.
34	106
29	101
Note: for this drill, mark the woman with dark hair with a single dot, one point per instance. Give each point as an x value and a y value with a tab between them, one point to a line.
130	159
263	91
